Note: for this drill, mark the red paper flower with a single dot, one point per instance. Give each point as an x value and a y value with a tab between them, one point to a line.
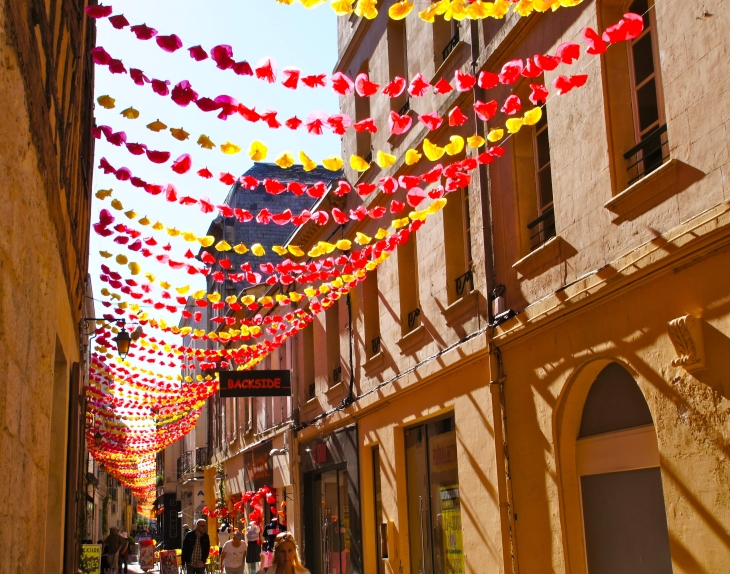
99	11
143	32
274	186
205	173
341	84
100	56
315	81
419	86
222	55
512	105
487	80
182	164
409	181
138	77
292	78
119	21
117	138
198	54
242	68
436	192
511	72
389	185
376	212
249	182
297	188
247	114
338	123
366	125
339	217
568	52
169	43
161	88
269	117
628	28
397	206
206	206
432	121
485	111
395	88
547	63
539	94
171	193
415	196
315	122
158	156
320	217
227	178
433	175
183	94
264	216
364	189
342	188
399	124
464	82
457	117
594	42
293	123
282	218
266	70
317	190
442	87
565	84
117	67
531	69
136	149
364	87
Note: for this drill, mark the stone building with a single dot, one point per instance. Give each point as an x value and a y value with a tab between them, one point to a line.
46	149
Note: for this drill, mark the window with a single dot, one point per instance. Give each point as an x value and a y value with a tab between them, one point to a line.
371	311
308	361
332	325
445	39
380	525
617	458
398	58
362	111
434	501
534	183
457	245
410	311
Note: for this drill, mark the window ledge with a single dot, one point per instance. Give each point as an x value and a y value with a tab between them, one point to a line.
374	364
644	189
335	390
413	340
536	259
309	407
464	308
448	62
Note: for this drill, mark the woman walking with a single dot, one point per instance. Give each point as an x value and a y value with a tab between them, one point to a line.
232	554
286	556
253	550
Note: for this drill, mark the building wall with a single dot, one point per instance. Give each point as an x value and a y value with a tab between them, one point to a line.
46	154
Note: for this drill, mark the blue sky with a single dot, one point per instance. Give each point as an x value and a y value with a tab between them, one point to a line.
292	35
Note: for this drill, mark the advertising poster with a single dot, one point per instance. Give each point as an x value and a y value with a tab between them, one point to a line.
451	524
146	554
168	562
91	558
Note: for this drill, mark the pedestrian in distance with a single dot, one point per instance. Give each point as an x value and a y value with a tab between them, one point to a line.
113	544
186	529
233	553
286	557
195	548
253	547
124	554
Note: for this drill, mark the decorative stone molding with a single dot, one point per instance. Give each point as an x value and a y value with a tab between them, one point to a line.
374	364
413	341
686	335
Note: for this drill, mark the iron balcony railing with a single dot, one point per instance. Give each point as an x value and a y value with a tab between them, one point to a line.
201	457
413	317
192	461
649	154
406	108
545	225
375	345
184	464
461	282
337	374
450	46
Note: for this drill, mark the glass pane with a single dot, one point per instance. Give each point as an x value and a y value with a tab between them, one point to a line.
418	501
646	99
545	181
543	148
378	510
641	7
643	59
341	523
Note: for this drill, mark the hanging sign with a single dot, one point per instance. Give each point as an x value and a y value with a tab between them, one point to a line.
255	383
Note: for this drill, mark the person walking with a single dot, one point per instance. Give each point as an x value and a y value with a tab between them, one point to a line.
124	554
195	548
113	544
233	553
286	556
224	534
253	547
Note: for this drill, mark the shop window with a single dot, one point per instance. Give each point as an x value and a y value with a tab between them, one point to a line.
457	245
434	500
380	525
363	140
308	362
398	59
534	184
410	312
617	458
635	102
371	311
332	325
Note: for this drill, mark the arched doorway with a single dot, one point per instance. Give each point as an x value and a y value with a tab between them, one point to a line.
621	495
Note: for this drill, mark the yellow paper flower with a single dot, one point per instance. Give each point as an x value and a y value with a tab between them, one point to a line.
248	299
206	241
229	148
362	239
333	163
131	214
106	102
134	268
475	141
144	221
279	250
342	7
295	297
358	164
384	160
183	290
179	134
432	151
189	236
382	234
158	226
116	204
479	10
311	3
412	157
129	113
214	297
495	135
344	244
258	250
514	125
400	10
173	232
258	151
429	14
241	249
398	223
285	160
366	9
156	126
205	142
199	294
533	116
307	162
103	193
222	245
295	250
436	206
455	146
122	260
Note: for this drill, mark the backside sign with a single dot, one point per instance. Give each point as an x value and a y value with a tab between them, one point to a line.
255	383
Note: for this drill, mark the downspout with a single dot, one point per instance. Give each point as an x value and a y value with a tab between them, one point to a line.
350	398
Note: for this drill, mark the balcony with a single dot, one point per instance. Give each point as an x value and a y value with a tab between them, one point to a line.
649	154
192	461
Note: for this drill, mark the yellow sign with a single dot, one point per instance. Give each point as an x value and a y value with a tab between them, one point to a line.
90	559
451	527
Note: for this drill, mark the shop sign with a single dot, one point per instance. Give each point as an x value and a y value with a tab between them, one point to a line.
257	461
255	383
90	559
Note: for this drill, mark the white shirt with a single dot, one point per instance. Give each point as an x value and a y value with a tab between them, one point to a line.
223	537
234	556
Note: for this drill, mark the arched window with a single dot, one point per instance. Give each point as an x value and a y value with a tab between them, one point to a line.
617	459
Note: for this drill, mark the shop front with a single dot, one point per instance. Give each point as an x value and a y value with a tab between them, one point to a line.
331	497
